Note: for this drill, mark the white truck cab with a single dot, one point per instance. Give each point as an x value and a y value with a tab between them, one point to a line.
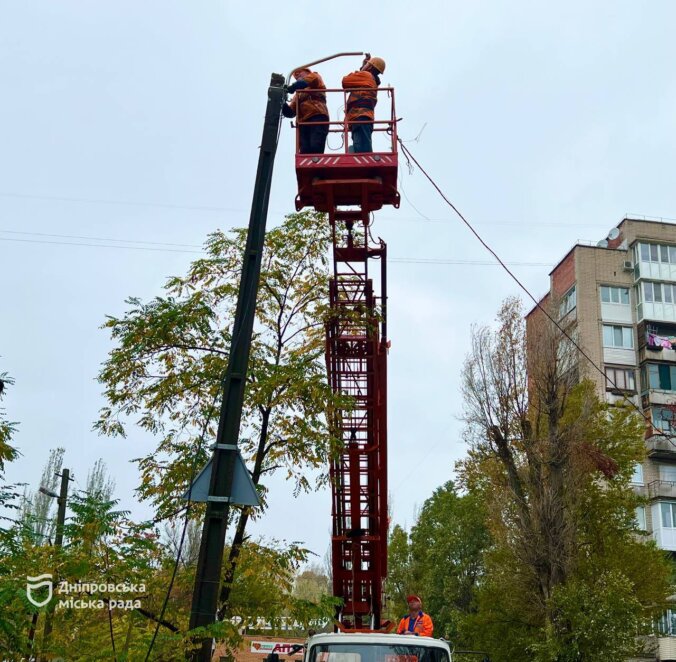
375	647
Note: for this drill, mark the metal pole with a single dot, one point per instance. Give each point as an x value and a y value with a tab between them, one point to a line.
208	576
58	542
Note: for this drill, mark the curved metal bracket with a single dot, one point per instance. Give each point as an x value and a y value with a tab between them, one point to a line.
324	59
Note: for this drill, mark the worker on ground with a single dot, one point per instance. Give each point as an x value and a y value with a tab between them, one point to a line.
310	109
360	109
417	622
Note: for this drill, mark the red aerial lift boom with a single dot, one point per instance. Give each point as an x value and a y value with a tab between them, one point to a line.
349	187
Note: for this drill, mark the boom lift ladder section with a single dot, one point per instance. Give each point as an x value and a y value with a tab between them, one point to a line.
349	187
356	355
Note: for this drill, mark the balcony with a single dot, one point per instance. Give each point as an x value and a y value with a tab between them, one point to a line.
661	396
661	447
665	538
667	648
662	489
647	353
620	397
640	489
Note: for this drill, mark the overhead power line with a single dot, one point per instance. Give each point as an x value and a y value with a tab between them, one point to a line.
122	203
537	303
77	236
189	248
216	208
75	243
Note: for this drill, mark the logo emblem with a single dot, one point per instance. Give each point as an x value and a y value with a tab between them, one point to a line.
35	583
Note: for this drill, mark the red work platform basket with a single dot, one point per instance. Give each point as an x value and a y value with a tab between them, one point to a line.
366	179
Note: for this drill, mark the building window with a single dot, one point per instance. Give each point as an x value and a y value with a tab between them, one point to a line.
668	514
667	472
640	518
637	476
659	292
618	336
663	419
666	625
620	378
611	294
657	253
568	302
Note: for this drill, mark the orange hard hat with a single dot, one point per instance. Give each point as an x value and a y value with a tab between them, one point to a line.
413	598
378	63
298	71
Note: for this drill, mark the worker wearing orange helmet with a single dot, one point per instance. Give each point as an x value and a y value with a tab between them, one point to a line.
360	109
310	109
417	623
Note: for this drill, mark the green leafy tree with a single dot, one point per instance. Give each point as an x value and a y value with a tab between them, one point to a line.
441	560
38	509
101	546
447	545
552	466
311	584
11	621
400	580
165	370
7	427
9	494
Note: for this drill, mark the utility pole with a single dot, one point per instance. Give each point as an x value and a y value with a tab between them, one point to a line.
61	499
209	564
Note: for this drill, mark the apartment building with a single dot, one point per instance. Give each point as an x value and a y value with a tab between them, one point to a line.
619	297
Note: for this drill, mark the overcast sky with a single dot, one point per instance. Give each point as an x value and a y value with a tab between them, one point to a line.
140	121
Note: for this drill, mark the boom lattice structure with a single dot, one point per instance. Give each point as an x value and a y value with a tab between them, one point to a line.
356	358
349	187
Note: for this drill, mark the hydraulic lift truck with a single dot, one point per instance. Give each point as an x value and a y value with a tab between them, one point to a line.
349	187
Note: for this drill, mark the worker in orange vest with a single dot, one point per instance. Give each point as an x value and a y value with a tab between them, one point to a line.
362	102
417	622
310	109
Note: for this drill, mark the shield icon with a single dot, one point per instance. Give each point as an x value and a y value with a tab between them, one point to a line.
34	583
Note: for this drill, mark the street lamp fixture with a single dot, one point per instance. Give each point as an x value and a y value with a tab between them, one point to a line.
49	493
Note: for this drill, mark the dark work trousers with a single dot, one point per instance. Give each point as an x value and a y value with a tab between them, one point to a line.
361	136
313	138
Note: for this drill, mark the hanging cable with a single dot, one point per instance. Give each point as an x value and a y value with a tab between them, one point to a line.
186	520
410	157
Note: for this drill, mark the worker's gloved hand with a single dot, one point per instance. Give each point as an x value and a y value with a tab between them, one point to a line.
298	85
288	111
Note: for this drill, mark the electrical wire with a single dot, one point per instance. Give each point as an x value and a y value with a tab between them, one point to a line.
124	203
73	243
186	519
77	236
110	615
537	303
408	260
401	186
160	205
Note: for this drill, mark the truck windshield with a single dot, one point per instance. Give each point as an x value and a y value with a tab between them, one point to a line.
377	653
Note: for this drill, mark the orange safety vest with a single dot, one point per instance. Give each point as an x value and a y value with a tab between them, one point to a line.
307	102
423	625
361	104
